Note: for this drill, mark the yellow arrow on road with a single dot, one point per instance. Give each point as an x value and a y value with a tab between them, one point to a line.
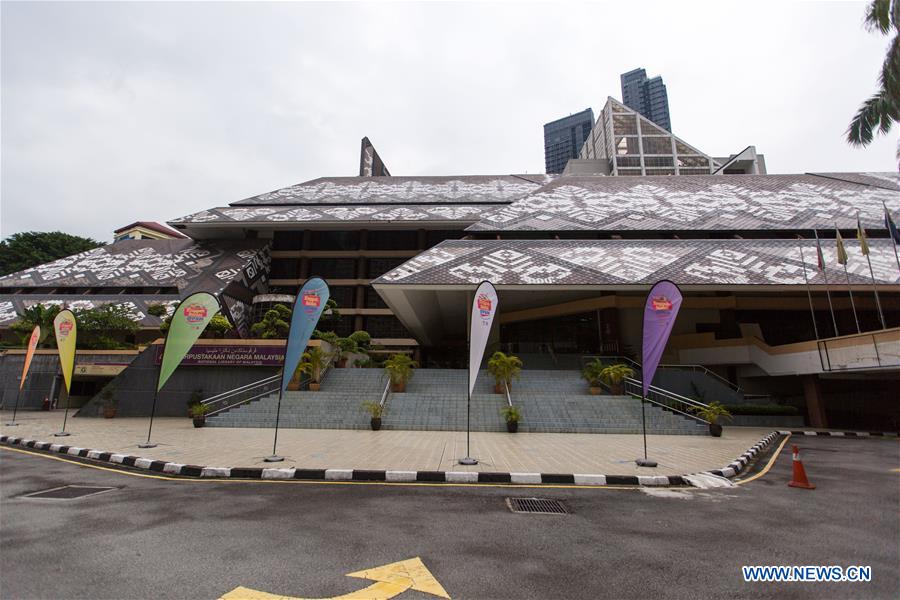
391	580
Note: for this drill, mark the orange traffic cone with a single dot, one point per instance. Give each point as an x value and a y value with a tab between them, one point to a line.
799	479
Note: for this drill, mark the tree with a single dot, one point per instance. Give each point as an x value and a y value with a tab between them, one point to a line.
218	326
105	327
37	314
31	248
882	109
275	323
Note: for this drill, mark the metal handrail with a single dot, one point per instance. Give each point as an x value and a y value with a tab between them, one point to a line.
692	367
266	386
237	390
508	397
384	394
669	400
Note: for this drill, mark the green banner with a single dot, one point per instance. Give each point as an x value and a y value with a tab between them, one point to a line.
188	322
66	330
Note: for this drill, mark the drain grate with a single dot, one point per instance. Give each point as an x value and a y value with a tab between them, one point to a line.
540	506
69	492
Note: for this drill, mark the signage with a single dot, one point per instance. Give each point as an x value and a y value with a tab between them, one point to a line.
483	310
244	355
660	311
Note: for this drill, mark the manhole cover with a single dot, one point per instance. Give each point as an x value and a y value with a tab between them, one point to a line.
540	506
69	492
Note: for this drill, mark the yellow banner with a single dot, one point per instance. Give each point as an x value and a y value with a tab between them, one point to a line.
66	331
29	354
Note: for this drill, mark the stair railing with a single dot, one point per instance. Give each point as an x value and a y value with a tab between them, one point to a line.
384	394
508	397
241	395
706	371
666	399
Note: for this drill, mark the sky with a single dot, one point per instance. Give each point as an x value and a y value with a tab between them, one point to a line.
112	113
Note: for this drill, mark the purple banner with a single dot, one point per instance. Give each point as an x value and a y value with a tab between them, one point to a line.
245	355
660	312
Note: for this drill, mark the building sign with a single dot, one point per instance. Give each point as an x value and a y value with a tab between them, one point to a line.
246	355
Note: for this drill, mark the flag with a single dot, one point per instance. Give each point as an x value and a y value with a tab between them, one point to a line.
29	353
820	258
66	330
484	307
308	307
841	253
660	311
861	236
891	226
188	322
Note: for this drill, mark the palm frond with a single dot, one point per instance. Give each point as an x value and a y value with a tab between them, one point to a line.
878	16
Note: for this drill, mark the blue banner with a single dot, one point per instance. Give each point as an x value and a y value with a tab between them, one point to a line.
308	308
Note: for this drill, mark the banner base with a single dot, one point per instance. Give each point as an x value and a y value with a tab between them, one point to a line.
11	425
644	462
147	445
62	434
468	461
274	458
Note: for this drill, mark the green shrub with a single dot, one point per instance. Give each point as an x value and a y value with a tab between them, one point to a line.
157	310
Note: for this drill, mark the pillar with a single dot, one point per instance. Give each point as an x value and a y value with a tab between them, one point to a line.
815	403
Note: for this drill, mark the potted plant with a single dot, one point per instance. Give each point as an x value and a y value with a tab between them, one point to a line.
512	415
614	376
375	410
712	413
198	413
591	373
504	368
399	367
110	404
195	398
312	363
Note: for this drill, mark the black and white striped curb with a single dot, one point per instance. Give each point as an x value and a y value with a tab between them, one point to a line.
170	468
842	433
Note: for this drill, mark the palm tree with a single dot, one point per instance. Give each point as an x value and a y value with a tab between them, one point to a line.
37	314
882	109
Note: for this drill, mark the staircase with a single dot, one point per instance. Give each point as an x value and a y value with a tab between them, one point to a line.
435	400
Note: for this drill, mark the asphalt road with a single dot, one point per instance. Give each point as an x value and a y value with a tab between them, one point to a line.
187	539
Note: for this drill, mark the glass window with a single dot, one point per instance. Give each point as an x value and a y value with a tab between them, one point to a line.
386	327
628	161
333	268
285	268
627	145
377	267
334	240
287	240
624	125
373	300
683	148
658	161
693	161
392	240
345	296
661	171
657	145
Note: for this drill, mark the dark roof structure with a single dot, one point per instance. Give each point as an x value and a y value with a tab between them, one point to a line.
153	226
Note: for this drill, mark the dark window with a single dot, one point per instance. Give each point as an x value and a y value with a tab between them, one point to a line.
373	300
379	266
285	268
345	296
392	240
287	240
433	238
386	327
334	268
334	240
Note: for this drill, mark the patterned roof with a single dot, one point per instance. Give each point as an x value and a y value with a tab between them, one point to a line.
717	262
468	189
689	202
182	263
374	213
137	306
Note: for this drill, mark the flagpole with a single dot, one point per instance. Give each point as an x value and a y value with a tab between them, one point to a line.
864	248
468	460
840	244
875	289
827	285
812	311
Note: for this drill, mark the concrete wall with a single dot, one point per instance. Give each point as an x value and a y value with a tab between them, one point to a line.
37	386
134	387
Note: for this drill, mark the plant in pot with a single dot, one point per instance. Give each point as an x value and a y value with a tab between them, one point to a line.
375	410
399	367
343	346
195	398
198	413
614	376
504	368
312	363
512	415
591	374
109	402
712	413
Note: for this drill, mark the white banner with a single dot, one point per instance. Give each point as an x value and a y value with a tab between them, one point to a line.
484	307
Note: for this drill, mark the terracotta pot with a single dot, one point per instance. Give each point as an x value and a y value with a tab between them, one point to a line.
595	391
617	389
498	388
512	426
375	423
715	430
398	388
342	364
314	387
109	412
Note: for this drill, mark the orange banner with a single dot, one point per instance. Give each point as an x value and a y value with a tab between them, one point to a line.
32	345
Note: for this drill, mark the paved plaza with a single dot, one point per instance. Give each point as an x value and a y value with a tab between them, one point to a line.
179	441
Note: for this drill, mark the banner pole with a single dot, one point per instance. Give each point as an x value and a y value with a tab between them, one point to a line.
644	426
823	268
64	433
875	289
147	444
812	311
15	408
852	304
468	460
274	457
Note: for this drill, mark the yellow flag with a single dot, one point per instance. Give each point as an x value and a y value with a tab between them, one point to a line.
66	330
861	236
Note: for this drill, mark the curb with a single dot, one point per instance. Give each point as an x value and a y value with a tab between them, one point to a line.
841	433
170	468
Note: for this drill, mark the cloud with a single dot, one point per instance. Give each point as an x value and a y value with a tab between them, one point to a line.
116	112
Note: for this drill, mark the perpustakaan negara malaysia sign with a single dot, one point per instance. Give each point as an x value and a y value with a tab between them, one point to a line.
246	355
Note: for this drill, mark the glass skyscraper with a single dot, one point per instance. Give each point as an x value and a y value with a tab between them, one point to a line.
564	138
647	96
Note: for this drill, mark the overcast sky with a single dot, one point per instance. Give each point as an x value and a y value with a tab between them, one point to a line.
114	112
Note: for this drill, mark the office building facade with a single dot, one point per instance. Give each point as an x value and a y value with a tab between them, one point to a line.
647	96
563	139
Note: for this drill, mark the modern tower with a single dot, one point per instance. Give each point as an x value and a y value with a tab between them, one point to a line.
647	96
564	138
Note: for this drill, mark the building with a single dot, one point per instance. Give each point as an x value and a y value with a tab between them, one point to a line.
370	164
624	142
145	230
647	96
563	139
571	255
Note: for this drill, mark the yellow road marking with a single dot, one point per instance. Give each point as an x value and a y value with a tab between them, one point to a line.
895	470
390	580
768	465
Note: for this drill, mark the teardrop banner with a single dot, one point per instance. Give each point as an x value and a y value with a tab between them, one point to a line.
189	320
308	307
484	307
66	329
660	311
29	354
